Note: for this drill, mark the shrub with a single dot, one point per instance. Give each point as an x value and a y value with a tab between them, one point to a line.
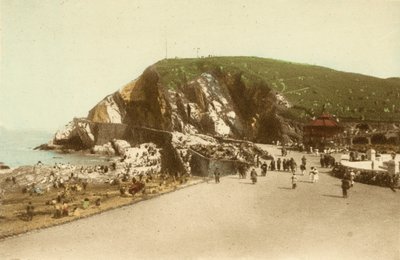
379	178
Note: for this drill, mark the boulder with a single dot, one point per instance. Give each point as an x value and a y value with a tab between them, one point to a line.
121	146
63	135
85	133
4	167
76	134
106	149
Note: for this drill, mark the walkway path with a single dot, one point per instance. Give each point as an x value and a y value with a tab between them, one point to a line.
233	219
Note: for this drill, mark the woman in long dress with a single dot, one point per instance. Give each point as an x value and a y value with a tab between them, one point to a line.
311	174
303	169
316	175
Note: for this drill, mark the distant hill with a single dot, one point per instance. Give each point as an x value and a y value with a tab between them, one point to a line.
308	88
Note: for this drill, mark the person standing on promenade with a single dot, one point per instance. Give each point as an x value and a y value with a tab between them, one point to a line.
30	211
352	176
322	161
278	164
264	168
217	175
258	160
304	160
272	164
303	169
345	185
253	176
316	175
294	181
284	165
293	165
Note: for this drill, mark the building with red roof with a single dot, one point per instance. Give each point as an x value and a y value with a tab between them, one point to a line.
323	131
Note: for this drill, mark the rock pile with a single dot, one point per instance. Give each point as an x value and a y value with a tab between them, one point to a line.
142	160
76	133
244	152
3	166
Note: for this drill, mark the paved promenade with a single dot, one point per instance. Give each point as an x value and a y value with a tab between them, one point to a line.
233	219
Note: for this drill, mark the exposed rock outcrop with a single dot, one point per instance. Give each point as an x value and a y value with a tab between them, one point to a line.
3	166
105	149
222	105
211	104
76	133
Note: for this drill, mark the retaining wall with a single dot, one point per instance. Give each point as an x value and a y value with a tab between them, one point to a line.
105	132
204	167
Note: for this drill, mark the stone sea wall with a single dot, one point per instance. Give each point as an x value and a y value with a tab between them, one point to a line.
104	132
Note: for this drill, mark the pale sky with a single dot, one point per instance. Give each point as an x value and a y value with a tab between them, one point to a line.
59	58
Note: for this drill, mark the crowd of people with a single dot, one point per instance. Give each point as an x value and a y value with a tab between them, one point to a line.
283	164
385	175
327	160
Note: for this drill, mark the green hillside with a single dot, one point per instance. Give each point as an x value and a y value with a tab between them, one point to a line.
308	88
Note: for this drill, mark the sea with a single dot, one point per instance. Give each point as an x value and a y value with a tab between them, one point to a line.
17	149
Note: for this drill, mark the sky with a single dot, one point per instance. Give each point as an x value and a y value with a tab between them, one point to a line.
60	57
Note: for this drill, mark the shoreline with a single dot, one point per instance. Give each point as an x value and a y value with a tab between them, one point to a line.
59	156
69	191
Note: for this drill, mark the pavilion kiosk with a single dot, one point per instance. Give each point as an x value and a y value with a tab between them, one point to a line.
322	132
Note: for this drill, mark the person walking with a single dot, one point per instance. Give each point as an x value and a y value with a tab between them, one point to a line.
352	176
304	160
239	170
258	160
30	211
303	169
293	165
313	174
278	164
316	175
217	175
322	161
345	185
272	165
264	168
253	176
65	209
294	181
284	165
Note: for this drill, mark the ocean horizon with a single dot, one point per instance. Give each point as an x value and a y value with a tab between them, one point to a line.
17	149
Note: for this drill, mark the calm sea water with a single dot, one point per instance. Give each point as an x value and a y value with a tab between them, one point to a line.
16	149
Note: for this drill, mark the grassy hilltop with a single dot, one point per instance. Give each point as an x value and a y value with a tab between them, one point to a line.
308	88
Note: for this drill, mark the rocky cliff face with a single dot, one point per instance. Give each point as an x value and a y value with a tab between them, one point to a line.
214	103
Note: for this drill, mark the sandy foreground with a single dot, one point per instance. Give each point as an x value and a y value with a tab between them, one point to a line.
233	219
